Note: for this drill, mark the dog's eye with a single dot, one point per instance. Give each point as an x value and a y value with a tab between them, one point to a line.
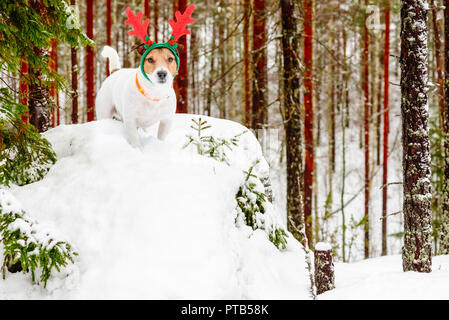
170	59
150	60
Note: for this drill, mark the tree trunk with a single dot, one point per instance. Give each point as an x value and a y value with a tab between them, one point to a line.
324	268
39	98
417	249
74	92
439	58
222	107
444	241
259	57
366	128
246	57
108	32
182	79
23	88
90	90
293	128
156	18
386	127
308	118
53	91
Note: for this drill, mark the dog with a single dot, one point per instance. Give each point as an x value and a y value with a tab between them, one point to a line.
128	96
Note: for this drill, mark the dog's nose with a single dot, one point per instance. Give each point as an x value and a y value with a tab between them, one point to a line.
162	75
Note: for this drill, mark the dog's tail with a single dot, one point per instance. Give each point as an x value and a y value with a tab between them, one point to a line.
114	61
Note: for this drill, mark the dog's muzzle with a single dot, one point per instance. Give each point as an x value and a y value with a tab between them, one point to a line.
161	76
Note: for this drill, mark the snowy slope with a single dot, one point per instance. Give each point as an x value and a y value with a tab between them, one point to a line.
154	224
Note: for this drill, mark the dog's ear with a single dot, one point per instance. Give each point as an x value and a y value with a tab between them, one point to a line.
140	48
179	49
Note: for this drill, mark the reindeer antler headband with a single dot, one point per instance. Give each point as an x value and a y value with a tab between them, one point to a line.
140	30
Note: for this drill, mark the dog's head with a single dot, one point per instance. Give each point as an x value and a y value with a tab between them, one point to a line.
160	67
160	61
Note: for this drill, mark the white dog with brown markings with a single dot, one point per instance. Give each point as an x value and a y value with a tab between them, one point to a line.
128	96
141	97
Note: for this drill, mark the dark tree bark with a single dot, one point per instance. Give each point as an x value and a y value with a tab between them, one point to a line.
293	128
39	97
308	118
90	62
259	62
444	241
417	249
324	270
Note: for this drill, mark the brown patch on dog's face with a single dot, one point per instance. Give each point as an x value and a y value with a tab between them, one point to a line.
160	57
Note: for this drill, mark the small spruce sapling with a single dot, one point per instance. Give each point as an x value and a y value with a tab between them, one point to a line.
24	242
209	145
253	204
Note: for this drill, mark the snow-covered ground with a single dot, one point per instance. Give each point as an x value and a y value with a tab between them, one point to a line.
382	278
154	224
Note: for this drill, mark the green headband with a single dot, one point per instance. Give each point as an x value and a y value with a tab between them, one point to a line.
155	45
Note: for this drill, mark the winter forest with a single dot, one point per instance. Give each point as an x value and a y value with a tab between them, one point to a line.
237	149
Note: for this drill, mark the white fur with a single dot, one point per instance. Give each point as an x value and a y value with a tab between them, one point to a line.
119	97
114	61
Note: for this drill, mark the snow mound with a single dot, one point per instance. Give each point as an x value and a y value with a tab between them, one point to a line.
154	224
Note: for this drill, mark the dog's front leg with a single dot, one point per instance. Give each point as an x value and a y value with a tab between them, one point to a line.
132	135
164	128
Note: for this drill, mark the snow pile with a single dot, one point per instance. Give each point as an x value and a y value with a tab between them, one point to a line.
154	224
383	278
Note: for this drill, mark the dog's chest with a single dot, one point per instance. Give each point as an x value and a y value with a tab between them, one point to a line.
150	112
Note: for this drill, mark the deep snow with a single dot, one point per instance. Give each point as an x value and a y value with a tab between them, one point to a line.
154	224
382	278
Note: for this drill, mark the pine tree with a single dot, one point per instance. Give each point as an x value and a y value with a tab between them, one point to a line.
24	31
246	57
386	128
444	241
90	65
182	79
259	61
293	119
308	117
366	128
417	249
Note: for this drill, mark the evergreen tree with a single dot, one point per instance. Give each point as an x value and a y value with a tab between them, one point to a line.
24	32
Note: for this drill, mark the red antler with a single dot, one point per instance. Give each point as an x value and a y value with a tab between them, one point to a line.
139	29
179	27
